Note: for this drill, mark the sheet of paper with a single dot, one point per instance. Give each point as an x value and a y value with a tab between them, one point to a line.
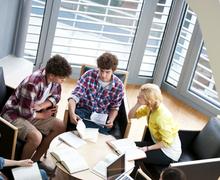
81	126
99	118
27	173
89	134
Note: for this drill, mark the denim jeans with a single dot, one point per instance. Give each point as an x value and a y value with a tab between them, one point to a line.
85	114
43	174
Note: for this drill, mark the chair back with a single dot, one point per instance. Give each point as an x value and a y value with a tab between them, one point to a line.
207	143
3	89
8	139
122	75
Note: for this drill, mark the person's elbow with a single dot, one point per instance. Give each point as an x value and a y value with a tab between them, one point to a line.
131	115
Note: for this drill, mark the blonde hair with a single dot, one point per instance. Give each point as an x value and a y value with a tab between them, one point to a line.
152	95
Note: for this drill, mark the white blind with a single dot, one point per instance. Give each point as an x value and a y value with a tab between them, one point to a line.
87	28
155	37
34	29
181	47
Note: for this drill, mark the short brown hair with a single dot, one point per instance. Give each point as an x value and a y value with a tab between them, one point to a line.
58	66
107	61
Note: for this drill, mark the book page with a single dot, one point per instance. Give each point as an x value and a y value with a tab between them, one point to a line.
90	134
127	146
72	140
101	167
70	159
27	173
122	145
99	118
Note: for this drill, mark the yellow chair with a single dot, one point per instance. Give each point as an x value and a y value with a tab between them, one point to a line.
122	117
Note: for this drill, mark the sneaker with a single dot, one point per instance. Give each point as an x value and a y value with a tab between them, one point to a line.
50	171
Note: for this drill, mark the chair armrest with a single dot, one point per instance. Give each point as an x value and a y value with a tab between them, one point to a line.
122	118
66	116
187	137
8	139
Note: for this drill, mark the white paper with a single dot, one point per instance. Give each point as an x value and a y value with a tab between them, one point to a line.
27	173
72	140
89	134
99	118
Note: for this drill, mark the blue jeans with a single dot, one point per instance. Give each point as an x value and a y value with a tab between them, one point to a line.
43	174
85	114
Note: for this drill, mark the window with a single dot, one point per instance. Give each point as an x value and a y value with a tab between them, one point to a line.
87	28
182	45
155	38
203	83
34	30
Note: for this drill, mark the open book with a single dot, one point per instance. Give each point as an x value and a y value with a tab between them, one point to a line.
27	173
89	134
71	139
71	160
127	146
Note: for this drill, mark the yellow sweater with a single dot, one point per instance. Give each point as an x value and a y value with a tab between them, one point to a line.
161	124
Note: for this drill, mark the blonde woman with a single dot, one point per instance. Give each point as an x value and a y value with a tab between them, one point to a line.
163	146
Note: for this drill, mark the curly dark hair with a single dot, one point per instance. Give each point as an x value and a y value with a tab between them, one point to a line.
58	66
107	61
171	173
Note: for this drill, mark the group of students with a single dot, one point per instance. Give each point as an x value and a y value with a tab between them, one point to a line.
32	106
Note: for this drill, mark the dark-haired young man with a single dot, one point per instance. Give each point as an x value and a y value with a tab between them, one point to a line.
98	91
32	105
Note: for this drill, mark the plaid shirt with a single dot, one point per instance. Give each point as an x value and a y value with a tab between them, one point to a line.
90	95
29	92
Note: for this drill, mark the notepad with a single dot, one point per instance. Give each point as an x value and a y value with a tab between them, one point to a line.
27	173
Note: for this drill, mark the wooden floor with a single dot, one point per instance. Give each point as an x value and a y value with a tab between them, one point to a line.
187	117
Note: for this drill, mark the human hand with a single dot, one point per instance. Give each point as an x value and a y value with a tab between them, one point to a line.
25	162
37	107
74	118
49	112
109	124
145	148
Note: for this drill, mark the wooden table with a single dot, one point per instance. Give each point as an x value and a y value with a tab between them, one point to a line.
92	153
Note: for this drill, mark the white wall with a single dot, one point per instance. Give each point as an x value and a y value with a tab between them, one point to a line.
208	12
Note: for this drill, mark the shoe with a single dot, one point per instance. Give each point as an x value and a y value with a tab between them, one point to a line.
50	171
